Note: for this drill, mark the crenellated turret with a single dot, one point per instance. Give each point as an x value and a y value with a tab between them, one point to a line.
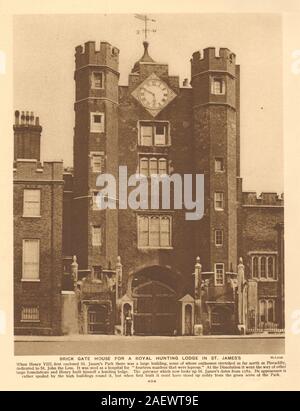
214	80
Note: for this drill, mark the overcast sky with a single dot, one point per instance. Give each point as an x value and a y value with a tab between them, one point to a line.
44	65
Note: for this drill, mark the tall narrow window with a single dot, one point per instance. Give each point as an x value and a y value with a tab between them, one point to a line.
97	236
162	166
255	267
271	268
143	231
96	200
219	164
263	267
218	86
219	200
262	311
219	238
271	311
31	258
160	135
144	166
154	231
165	232
153	166
219	274
146	135
31	203
97	79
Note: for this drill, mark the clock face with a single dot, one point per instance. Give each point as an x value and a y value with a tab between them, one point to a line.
154	94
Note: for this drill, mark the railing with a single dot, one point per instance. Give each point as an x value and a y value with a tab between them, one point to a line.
271	328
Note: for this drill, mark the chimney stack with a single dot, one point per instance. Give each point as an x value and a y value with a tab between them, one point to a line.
27	136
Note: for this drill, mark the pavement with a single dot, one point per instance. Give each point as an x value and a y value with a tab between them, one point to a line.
159	345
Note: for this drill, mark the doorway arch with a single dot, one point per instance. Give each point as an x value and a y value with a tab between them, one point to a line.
155	298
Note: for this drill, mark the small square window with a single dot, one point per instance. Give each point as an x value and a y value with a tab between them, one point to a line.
219	164
97	122
218	86
97	162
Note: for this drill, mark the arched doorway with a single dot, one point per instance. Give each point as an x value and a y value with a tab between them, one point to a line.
97	319
154	292
222	320
188	320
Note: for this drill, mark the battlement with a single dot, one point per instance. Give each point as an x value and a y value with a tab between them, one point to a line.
31	169
105	55
250	198
209	60
26	119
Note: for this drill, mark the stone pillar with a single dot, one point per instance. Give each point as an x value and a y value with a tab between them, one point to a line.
119	273
198	327
74	270
241	307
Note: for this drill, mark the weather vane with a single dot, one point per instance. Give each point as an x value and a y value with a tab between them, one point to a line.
145	19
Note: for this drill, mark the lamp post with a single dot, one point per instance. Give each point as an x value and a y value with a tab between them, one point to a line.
119	272
198	327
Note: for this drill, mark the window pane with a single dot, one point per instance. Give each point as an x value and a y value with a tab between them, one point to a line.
165	232
146	135
32	203
262	311
97	236
219	164
97	163
162	166
255	267
160	135
154	231
271	270
97	80
97	122
30	259
143	224
219	274
263	267
271	316
153	166
219	200
219	237
144	166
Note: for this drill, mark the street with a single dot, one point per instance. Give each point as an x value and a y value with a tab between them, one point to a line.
110	345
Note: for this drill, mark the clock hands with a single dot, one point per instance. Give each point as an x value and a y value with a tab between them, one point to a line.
153	94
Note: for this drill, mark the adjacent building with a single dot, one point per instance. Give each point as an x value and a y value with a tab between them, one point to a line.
38	206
